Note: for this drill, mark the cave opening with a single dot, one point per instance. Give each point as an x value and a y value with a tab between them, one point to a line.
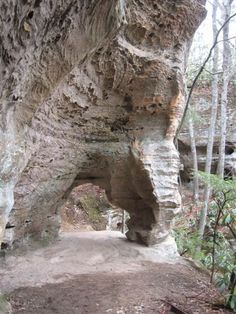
88	209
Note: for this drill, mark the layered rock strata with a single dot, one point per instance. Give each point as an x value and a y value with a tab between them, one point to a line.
91	91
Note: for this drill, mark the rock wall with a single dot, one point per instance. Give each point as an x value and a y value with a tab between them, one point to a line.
91	91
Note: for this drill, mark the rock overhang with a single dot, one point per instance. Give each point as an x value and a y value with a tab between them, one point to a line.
95	90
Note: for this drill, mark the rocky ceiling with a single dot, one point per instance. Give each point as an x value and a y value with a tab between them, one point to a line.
91	91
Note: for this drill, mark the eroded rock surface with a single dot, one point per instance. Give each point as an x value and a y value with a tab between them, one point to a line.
92	91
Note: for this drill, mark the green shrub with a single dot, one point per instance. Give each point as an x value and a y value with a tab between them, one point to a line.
5	307
215	250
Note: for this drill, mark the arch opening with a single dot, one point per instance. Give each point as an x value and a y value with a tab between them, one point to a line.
88	209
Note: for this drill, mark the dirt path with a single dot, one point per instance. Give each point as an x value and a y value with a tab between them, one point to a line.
100	272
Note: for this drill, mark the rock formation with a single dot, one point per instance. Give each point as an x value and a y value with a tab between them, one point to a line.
91	91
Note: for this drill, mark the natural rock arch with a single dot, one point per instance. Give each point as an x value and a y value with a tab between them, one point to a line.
92	91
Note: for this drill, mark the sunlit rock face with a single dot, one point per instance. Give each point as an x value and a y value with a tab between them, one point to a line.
91	91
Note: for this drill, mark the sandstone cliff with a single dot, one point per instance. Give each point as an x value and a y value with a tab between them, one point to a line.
91	91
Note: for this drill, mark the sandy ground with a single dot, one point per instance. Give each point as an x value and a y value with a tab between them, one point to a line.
80	253
101	272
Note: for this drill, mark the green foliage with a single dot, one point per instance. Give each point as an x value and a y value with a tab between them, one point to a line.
187	240
229	217
91	207
218	184
4	305
94	207
232	302
217	252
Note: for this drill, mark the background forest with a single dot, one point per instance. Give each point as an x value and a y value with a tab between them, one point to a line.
207	144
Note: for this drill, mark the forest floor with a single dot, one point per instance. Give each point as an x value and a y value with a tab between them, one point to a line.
101	272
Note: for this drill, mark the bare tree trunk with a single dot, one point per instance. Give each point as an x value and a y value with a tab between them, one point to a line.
211	130
123	221
195	161
224	95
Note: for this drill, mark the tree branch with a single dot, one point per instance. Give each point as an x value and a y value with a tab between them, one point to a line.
220	41
220	72
232	230
200	72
